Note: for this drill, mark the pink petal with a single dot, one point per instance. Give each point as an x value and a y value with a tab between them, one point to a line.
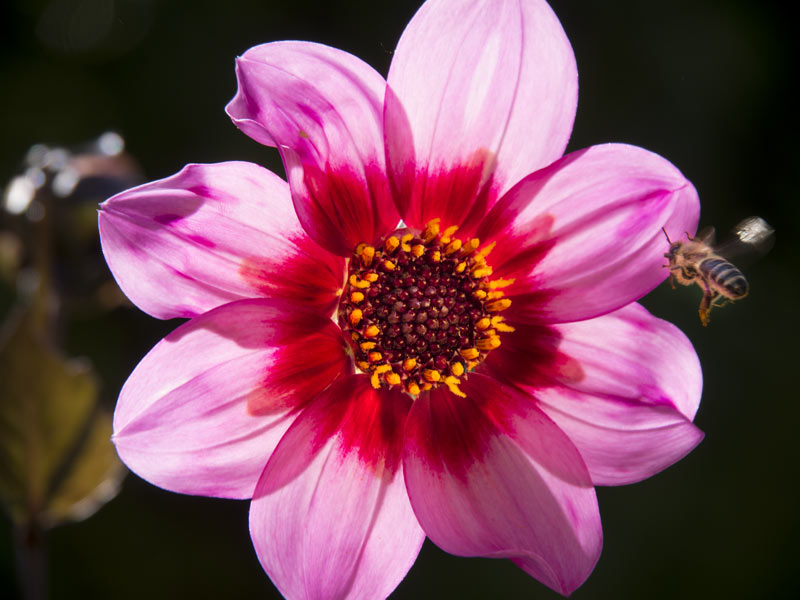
480	95
583	236
211	234
491	475
330	517
322	108
202	412
624	387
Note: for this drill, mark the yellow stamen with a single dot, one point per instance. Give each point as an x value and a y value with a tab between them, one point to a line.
413	389
358	283
483	323
470	246
431	375
374	357
452	384
356	297
501	283
484	252
479	294
469	353
354	336
460	267
355	317
375	379
367	346
497	323
409	364
436	256
393	378
498	305
426	386
389	265
372	331
453	246
431	230
391	244
448	233
367	254
472	364
489	343
481	272
493	295
457	369
418	250
404	242
363	365
371	277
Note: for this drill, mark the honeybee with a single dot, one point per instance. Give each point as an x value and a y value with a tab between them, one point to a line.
699	261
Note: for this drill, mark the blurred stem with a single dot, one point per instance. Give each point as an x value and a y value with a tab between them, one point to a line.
29	542
29	535
42	304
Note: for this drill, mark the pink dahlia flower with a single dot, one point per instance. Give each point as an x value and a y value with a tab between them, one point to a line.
430	330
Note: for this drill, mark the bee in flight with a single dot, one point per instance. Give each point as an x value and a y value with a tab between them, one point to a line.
699	261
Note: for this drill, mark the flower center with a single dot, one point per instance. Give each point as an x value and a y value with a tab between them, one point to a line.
419	309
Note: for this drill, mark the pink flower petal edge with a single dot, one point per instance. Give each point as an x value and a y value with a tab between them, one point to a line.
202	412
212	234
480	95
624	387
331	517
492	475
322	108
584	236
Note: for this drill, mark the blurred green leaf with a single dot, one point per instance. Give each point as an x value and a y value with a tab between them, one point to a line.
56	459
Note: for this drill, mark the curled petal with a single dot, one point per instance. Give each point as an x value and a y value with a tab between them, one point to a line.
211	234
480	94
624	387
202	412
322	108
491	475
330	517
584	236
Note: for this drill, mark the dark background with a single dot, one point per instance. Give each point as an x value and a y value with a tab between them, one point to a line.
709	85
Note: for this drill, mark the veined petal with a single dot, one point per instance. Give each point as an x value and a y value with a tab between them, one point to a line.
491	475
202	412
624	387
322	108
211	234
480	94
330	518
584	236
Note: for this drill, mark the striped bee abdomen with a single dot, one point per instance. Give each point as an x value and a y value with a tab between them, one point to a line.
727	279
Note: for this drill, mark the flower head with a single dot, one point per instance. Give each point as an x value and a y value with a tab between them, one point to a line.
430	330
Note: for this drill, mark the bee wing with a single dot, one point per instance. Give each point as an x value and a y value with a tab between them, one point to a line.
706	235
752	236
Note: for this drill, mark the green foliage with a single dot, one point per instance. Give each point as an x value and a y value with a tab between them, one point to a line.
56	459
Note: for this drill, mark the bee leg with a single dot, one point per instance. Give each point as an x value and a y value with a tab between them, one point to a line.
706	304
721	300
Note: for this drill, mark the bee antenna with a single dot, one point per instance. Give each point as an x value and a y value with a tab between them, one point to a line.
667	236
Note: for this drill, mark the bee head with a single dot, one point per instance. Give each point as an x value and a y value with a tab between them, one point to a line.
673	247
